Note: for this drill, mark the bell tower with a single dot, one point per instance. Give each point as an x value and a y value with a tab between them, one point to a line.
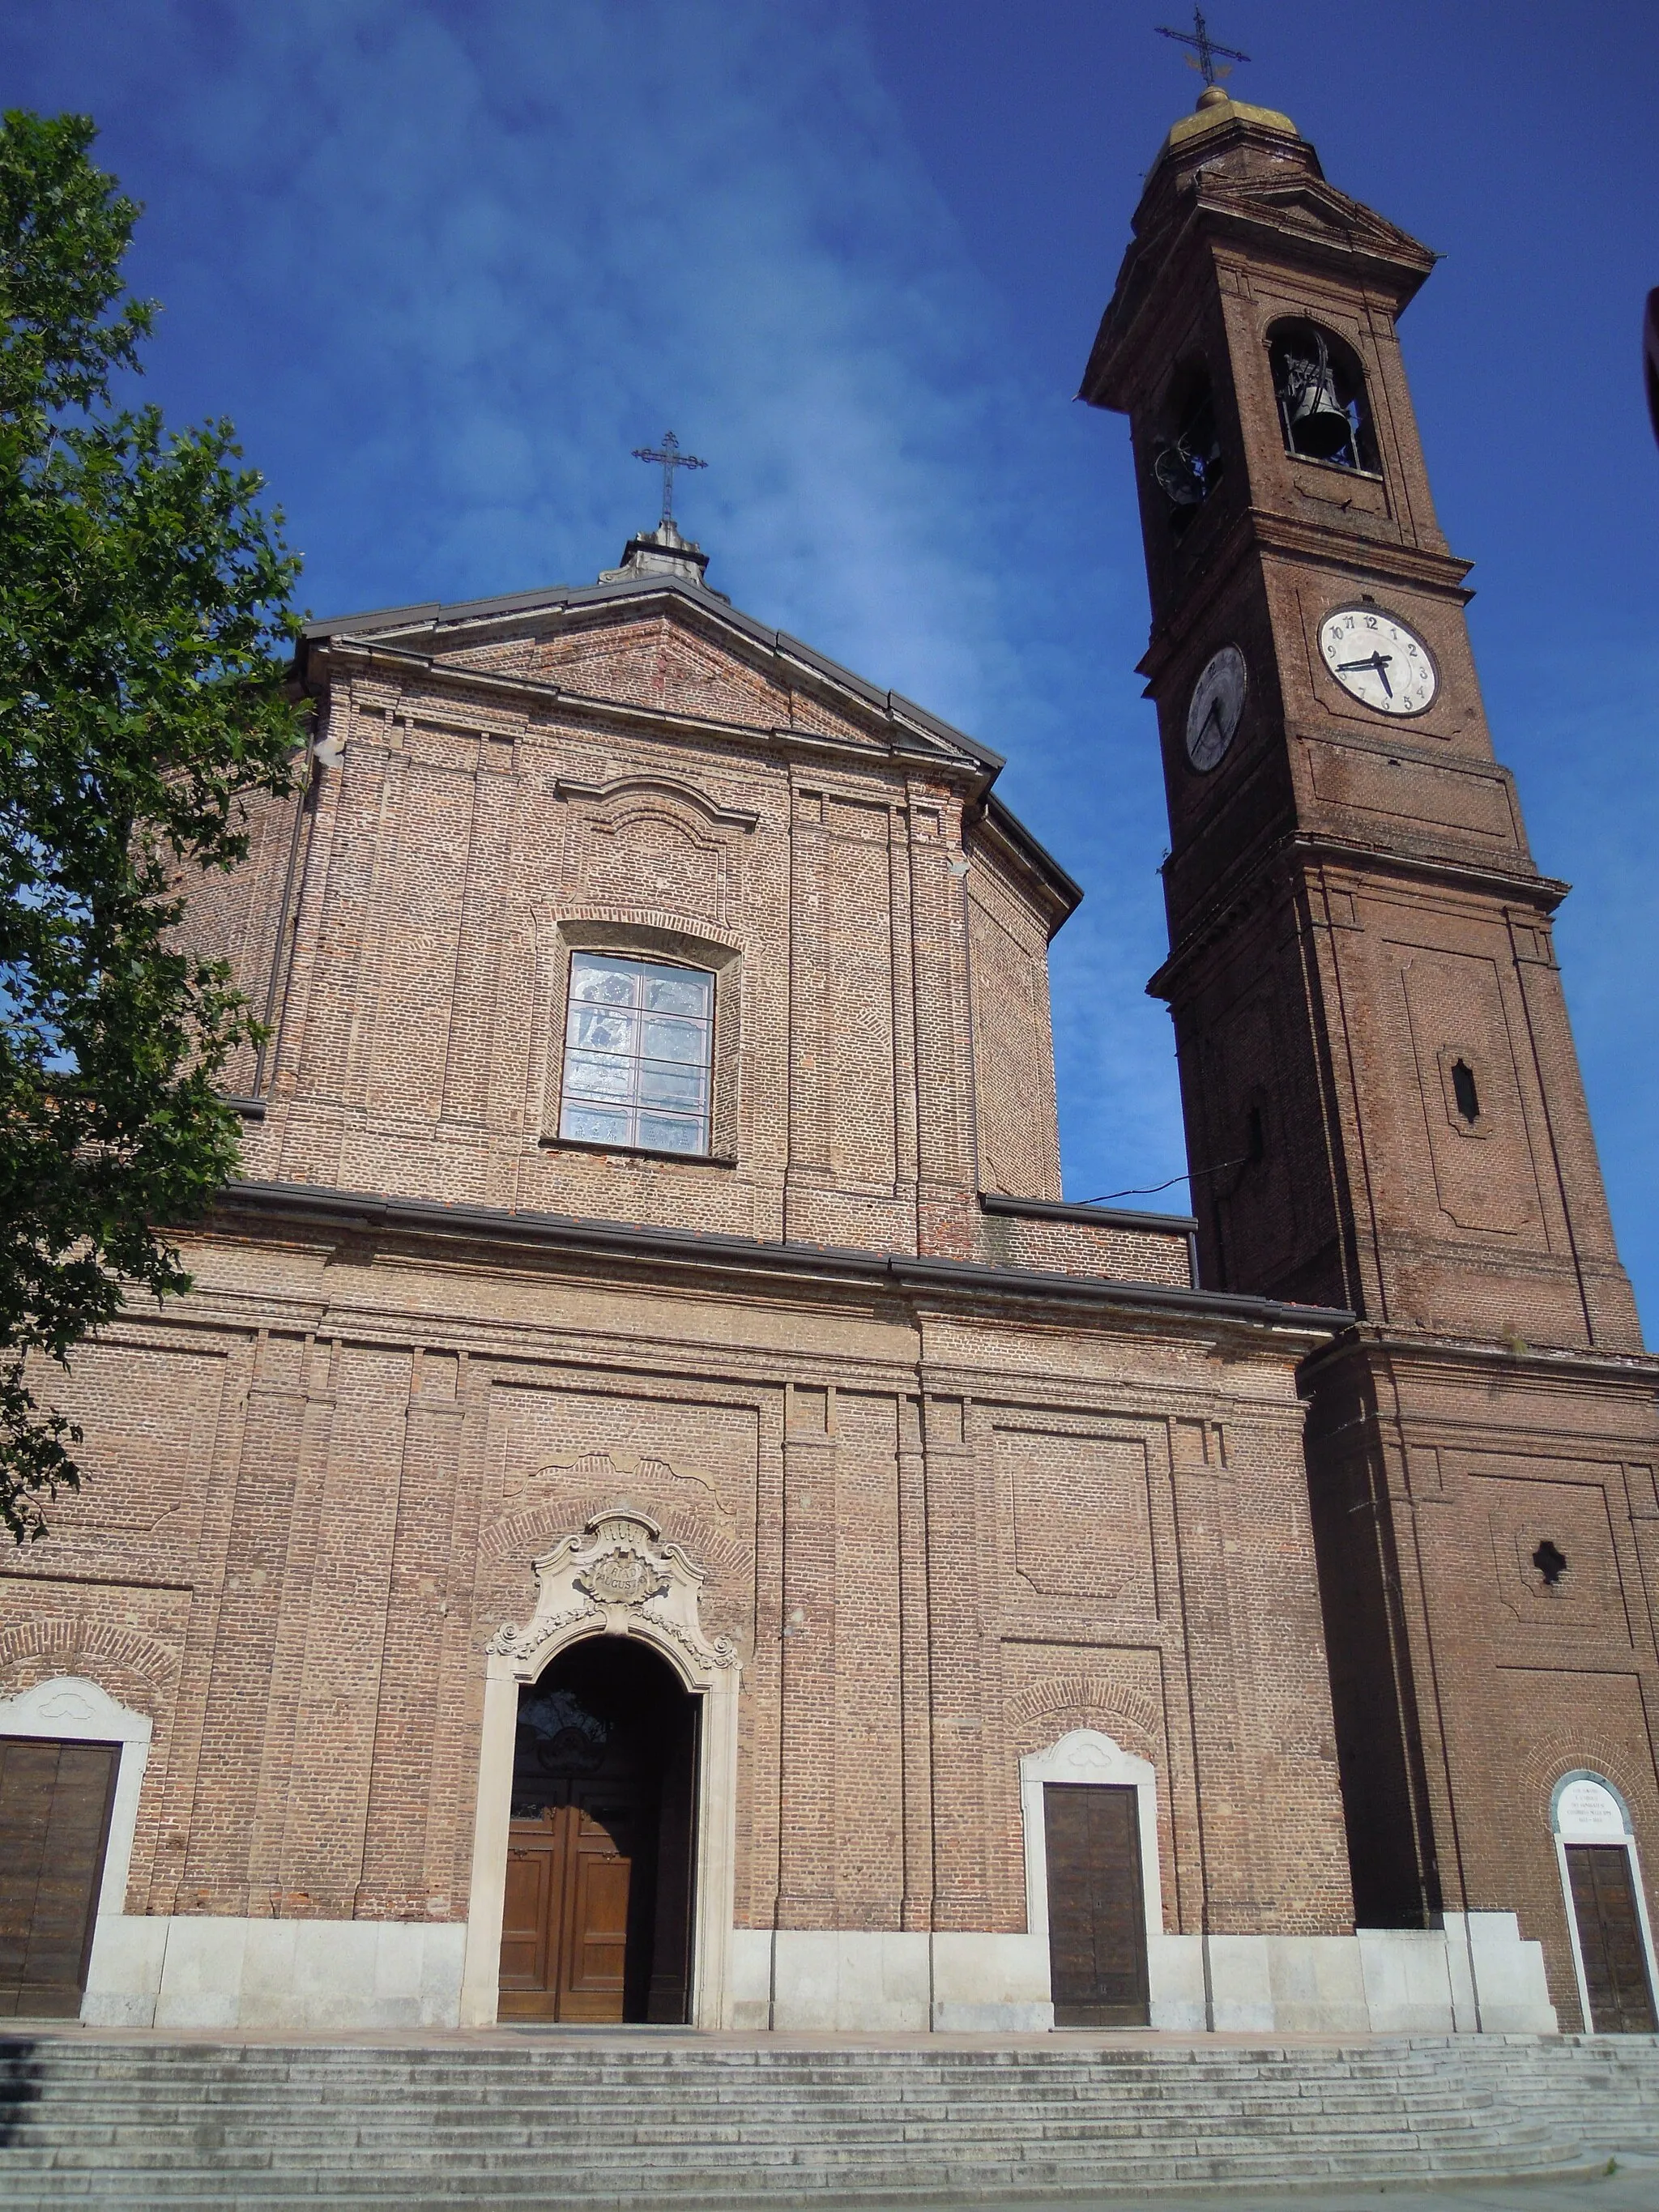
1382	1104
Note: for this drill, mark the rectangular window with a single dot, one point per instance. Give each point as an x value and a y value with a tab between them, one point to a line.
637	1054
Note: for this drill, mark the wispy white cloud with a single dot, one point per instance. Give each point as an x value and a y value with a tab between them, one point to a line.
447	265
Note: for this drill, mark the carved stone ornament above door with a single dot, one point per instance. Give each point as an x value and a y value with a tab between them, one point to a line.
620	1575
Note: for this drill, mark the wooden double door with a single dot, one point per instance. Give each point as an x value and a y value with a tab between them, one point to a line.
1610	1940
573	1870
1097	1906
597	1919
54	1801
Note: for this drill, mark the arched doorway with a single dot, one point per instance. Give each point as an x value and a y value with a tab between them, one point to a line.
596	1921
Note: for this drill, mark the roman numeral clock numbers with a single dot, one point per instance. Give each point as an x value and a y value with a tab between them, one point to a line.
1378	661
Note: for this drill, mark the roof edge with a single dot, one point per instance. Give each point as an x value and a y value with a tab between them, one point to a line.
573	1233
434	614
1106	1217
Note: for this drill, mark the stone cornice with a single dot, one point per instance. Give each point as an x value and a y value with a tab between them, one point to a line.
1014	845
1366	250
1099	1217
1470	1357
686	1253
901	743
664	598
1349	555
1515	886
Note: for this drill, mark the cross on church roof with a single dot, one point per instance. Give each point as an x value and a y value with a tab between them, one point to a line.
1204	48
669	458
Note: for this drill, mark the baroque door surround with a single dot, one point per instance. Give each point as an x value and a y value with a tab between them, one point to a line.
617	1578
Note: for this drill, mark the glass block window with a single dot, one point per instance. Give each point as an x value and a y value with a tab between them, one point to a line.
637	1054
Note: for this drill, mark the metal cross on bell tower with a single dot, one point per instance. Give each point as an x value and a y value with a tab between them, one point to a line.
1205	49
668	457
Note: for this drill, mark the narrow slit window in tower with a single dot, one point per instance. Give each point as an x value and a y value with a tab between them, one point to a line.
1464	1090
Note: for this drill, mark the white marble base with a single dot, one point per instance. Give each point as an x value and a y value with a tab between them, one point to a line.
991	1985
875	1980
206	1972
1497	1981
1476	1974
1382	1981
885	1979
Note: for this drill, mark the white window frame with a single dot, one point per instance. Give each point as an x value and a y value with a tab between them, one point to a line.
1085	1755
1572	1833
69	1709
641	958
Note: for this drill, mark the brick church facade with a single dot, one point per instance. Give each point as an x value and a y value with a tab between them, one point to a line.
656	1508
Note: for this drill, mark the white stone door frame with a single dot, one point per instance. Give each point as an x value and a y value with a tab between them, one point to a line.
1585	1808
1085	1755
617	1578
70	1709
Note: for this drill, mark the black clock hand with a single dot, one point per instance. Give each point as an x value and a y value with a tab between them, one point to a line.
1379	661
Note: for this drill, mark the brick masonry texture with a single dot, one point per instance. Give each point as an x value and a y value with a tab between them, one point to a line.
945	1520
389	1426
1353	910
965	1468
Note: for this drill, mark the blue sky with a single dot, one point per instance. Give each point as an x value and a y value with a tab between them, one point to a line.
445	265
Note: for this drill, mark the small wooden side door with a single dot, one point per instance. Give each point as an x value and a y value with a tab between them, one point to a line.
54	1801
1097	1906
1610	1939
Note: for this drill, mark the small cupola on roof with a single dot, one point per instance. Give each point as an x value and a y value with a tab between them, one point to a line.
663	551
1215	105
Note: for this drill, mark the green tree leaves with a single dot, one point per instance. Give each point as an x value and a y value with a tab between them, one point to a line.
145	634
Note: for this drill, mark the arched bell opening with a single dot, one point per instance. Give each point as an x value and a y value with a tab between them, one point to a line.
597	1913
1188	461
1320	386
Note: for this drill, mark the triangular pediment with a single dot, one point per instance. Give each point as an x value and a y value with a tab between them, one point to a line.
1309	207
658	644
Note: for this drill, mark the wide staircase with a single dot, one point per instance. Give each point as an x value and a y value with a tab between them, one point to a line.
655	2120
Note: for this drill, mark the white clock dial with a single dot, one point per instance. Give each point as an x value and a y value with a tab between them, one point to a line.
1377	660
1216	703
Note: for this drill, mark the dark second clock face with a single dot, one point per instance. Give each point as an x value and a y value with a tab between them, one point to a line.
1215	709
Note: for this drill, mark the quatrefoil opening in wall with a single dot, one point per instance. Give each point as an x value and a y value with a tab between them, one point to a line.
620	1576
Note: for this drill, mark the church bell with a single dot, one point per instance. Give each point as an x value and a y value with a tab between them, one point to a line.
1315	418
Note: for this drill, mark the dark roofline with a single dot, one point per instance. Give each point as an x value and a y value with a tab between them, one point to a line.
433	614
575	1235
437	614
1077	1209
1008	825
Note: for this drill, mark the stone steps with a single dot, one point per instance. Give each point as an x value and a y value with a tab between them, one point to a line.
611	2123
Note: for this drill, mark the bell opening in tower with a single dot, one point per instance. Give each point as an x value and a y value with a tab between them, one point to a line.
597	1926
1320	390
1188	461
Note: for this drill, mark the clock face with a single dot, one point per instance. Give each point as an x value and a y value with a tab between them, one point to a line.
1216	703
1377	660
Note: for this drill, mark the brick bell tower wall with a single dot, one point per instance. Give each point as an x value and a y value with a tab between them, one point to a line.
1382	1103
935	1493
